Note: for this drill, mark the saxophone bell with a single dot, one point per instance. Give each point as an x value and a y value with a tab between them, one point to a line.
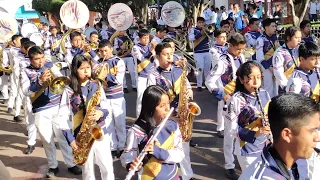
194	109
97	133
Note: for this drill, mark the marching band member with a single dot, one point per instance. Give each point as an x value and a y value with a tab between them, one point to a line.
161	33
142	54
172	33
221	83
5	76
52	44
24	62
45	109
135	35
305	27
45	31
306	82
166	151
285	59
121	46
294	128
167	76
114	94
252	35
94	40
108	32
267	44
14	76
78	47
201	50
20	60
84	90
244	112
219	46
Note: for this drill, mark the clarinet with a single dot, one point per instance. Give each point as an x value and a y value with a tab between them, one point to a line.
265	122
143	153
317	150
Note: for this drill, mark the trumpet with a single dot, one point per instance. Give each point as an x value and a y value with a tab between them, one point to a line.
209	28
55	84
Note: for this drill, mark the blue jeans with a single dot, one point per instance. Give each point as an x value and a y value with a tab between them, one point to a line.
313	17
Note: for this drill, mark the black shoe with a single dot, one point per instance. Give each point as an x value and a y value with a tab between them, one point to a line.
231	174
221	134
75	170
114	153
17	119
119	152
125	90
134	89
199	89
193	144
29	149
52	172
10	110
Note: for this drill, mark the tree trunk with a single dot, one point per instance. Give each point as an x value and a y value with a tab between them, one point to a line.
145	13
299	10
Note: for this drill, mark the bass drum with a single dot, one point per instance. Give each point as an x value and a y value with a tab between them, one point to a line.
28	28
37	38
173	14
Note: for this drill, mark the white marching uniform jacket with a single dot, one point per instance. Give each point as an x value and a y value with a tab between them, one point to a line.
221	74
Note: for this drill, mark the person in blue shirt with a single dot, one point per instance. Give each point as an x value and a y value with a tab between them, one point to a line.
294	123
237	16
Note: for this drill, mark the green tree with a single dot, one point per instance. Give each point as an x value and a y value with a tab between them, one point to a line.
300	8
49	7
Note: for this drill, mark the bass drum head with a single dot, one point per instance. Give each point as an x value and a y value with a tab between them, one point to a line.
28	28
172	13
74	14
88	31
120	16
8	27
37	38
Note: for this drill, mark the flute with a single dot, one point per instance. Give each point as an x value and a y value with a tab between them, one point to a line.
265	122
143	153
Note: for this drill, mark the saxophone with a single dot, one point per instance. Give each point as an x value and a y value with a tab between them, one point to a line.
186	110
89	131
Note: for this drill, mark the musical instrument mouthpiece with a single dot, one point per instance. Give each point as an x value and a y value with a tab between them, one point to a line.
317	150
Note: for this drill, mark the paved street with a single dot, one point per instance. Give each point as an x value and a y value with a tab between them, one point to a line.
207	159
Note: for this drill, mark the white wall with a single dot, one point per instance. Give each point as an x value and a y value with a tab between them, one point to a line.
219	3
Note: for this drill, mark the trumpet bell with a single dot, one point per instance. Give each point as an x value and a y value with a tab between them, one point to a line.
210	28
6	69
97	133
194	109
58	84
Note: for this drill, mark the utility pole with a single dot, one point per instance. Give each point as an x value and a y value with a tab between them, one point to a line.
265	9
159	12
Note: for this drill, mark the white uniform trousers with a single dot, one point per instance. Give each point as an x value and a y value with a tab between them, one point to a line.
268	83
220	117
100	154
245	161
185	164
15	99
130	66
141	86
31	126
47	123
203	62
228	145
5	86
118	125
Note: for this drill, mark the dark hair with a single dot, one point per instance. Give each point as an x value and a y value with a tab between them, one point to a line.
142	26
253	6
168	40
104	43
309	49
76	63
236	39
222	8
34	50
26	45
150	100
267	22
217	32
94	32
289	33
230	19
304	23
245	70
252	20
99	24
161	28
143	32
200	19
290	110
74	34
223	22
53	27
14	37
160	47
23	40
